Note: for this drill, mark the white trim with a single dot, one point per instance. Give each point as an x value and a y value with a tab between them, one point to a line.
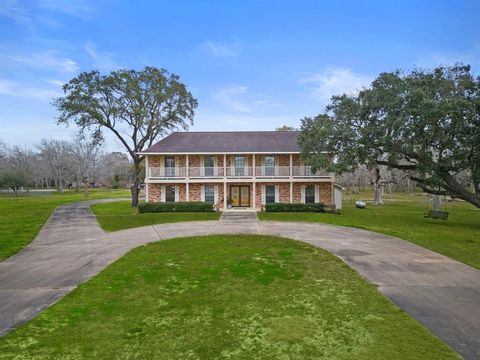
177	167
163	194
263	195
291	192
202	165
146	193
202	193
177	193
221	152
317	194
215	166
303	194
277	193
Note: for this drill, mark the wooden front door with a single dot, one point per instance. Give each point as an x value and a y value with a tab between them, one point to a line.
240	195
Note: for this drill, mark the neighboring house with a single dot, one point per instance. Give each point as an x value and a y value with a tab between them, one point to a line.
233	170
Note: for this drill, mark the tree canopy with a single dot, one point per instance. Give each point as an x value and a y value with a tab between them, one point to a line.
426	122
138	107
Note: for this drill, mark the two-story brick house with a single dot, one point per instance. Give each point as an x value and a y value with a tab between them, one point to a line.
233	170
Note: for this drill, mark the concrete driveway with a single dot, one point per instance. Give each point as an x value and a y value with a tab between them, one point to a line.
441	293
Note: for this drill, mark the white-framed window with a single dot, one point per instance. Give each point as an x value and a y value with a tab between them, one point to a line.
239	164
209	194
209	165
270	194
169	166
170	193
270	165
310	194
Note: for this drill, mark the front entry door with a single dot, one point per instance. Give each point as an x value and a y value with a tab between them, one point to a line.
240	195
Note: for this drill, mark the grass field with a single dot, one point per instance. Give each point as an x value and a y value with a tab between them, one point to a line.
120	215
225	297
402	216
22	217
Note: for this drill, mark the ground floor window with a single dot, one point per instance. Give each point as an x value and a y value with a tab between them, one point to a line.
169	193
309	194
269	194
210	194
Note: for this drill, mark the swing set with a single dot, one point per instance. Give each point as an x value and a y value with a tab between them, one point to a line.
436	213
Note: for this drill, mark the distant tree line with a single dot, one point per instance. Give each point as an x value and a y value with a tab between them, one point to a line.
79	164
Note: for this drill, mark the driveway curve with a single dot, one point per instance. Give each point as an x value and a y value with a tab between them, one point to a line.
441	293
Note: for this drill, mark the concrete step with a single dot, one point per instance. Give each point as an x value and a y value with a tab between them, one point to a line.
238	216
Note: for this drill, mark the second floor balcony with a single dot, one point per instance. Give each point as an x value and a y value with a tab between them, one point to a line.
246	172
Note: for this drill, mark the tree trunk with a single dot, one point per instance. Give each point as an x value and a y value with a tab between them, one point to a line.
377	188
59	185
135	188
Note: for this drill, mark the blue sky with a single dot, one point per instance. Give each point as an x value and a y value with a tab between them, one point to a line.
253	65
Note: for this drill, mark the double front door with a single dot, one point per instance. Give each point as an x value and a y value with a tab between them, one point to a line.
240	195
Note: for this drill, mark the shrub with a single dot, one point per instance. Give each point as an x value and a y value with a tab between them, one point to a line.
286	207
197	206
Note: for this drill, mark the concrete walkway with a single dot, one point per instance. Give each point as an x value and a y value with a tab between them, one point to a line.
441	293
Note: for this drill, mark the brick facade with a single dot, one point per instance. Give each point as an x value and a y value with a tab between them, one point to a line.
195	161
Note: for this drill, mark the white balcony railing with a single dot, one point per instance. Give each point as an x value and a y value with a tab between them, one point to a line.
205	172
306	171
240	172
272	171
166	173
243	172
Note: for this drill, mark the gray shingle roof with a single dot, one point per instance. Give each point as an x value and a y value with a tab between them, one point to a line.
228	142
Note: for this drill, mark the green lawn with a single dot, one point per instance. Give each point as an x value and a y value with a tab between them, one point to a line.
120	215
22	217
402	216
225	297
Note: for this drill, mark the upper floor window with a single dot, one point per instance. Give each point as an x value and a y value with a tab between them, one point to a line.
270	165
239	164
209	164
169	166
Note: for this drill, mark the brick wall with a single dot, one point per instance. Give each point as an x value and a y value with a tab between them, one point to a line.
284	192
324	188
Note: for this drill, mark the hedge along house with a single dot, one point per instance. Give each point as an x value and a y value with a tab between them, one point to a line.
233	170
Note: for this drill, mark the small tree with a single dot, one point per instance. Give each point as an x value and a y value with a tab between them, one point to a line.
426	123
138	107
285	128
14	181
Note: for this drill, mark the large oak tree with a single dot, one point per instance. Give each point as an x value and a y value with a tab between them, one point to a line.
138	107
426	123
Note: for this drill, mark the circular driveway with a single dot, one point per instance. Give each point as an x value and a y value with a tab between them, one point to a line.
441	293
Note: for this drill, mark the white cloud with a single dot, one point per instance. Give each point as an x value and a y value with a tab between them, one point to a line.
470	56
334	81
101	59
78	8
239	98
44	60
29	90
13	10
221	49
230	96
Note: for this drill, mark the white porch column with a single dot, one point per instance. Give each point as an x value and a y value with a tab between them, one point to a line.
254	189
187	175
291	192
224	195
146	177
291	166
254	170
224	165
